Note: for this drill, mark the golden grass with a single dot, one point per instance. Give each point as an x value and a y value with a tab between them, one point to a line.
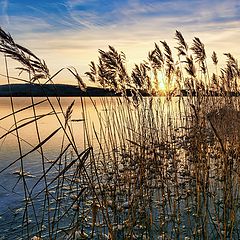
225	122
150	167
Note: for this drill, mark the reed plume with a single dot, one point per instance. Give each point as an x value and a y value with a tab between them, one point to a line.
214	79
168	53
31	63
69	111
182	45
232	64
214	58
155	57
92	74
140	76
169	62
156	60
190	68
137	76
230	74
198	50
112	69
80	81
200	57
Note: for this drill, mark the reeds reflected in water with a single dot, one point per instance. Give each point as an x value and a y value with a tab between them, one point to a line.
141	168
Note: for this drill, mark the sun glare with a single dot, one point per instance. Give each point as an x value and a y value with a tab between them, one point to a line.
160	84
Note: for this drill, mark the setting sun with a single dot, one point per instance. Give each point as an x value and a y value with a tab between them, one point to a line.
161	85
161	82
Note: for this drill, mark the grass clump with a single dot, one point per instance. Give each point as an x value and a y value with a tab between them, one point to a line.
128	167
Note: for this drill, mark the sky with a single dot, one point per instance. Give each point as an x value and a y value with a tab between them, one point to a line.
69	32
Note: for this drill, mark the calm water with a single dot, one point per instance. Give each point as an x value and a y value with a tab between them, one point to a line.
51	117
153	155
11	187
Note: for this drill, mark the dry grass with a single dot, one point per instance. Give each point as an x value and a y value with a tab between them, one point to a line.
226	123
147	169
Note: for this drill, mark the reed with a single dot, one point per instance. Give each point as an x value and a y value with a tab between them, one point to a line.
156	168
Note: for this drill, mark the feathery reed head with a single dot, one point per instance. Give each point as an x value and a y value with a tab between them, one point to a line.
92	74
182	45
111	71
155	57
169	59
190	68
31	63
214	58
198	50
69	111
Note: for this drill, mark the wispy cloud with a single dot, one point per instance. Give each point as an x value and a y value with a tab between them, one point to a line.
4	7
69	32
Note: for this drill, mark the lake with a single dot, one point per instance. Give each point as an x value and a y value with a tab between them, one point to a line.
94	168
11	189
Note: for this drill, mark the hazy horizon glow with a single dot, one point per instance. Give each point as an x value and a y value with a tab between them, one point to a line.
70	32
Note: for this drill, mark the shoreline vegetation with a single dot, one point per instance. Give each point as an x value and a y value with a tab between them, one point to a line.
159	75
148	168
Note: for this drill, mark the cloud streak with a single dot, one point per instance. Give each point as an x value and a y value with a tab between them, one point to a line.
4	6
70	32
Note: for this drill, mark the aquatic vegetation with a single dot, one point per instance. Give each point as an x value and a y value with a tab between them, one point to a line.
164	168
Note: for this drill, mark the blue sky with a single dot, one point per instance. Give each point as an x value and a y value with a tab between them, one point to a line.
69	32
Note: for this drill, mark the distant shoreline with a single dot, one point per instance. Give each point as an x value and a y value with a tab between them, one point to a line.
65	90
56	90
